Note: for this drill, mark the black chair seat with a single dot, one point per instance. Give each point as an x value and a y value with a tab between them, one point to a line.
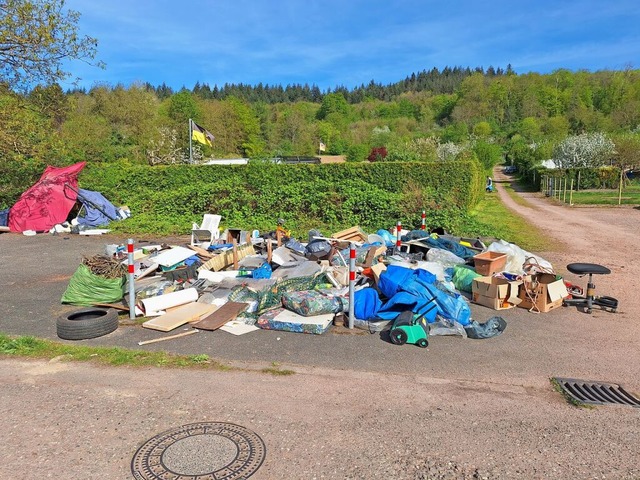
587	268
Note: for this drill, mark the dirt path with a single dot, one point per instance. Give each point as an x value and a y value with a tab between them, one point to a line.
602	235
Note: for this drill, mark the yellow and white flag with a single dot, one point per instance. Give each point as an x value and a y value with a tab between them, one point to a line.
322	147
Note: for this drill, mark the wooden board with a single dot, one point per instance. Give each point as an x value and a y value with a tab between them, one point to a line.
189	312
225	259
117	306
222	315
201	251
353	234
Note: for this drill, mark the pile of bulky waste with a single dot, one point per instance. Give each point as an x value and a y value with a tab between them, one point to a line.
411	283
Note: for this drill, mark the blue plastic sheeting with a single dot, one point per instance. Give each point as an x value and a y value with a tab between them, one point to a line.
413	290
97	209
4	217
403	301
366	303
439	242
389	239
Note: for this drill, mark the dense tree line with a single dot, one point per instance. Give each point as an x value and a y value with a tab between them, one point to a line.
434	80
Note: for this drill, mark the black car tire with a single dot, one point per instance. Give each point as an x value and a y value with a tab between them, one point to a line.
87	323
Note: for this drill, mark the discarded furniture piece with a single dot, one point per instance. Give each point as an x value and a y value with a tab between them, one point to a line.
590	299
287	321
207	231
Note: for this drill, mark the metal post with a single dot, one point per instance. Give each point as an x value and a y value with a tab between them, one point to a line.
132	286
352	282
190	142
571	193
424	221
398	234
620	186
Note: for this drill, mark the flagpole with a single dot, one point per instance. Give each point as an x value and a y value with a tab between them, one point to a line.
190	141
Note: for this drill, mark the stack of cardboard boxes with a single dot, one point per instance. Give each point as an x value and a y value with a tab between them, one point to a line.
541	292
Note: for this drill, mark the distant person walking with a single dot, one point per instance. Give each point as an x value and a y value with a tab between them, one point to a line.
489	186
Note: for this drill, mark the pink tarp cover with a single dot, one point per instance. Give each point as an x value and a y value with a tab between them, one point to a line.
48	202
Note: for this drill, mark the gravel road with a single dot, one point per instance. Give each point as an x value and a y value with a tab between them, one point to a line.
460	410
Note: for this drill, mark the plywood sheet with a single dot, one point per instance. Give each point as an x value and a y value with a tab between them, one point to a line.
227	312
190	312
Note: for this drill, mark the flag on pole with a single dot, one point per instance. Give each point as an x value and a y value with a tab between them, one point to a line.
201	135
322	147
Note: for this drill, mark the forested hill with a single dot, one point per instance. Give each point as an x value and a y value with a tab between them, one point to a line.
434	80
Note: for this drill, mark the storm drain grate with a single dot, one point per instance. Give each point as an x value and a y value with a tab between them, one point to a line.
596	393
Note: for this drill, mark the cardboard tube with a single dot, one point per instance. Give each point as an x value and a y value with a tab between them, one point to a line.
153	306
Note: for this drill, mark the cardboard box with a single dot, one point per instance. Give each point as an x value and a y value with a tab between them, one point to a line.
488	263
542	292
495	292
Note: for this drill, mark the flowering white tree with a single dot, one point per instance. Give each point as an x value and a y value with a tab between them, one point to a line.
165	150
584	150
448	151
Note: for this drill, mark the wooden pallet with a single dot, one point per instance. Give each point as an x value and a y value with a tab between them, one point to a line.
353	234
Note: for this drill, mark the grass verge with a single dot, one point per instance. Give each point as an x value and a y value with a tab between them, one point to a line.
32	347
630	196
491	218
275	369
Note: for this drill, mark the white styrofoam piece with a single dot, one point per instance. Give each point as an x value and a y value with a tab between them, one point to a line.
237	327
172	256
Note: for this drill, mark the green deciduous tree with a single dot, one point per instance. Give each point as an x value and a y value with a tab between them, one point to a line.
36	37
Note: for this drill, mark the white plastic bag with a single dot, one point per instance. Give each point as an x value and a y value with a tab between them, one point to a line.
516	257
444	257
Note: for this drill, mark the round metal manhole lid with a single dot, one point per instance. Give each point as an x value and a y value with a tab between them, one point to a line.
200	451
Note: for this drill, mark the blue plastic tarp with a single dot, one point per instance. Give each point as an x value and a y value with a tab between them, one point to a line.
97	209
414	290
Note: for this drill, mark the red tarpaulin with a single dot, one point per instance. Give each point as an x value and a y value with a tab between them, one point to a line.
48	202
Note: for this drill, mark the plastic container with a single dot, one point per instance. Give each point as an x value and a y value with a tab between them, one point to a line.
488	263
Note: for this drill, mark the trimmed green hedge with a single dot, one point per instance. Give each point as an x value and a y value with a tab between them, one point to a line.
327	197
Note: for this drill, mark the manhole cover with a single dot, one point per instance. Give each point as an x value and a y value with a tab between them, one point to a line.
200	451
597	393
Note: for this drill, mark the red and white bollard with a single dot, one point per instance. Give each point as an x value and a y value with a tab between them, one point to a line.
352	282
424	221
398	235
132	287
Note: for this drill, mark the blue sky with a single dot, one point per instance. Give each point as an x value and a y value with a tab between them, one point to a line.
348	42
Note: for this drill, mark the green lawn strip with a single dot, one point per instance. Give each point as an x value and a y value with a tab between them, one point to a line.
491	218
32	347
630	196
